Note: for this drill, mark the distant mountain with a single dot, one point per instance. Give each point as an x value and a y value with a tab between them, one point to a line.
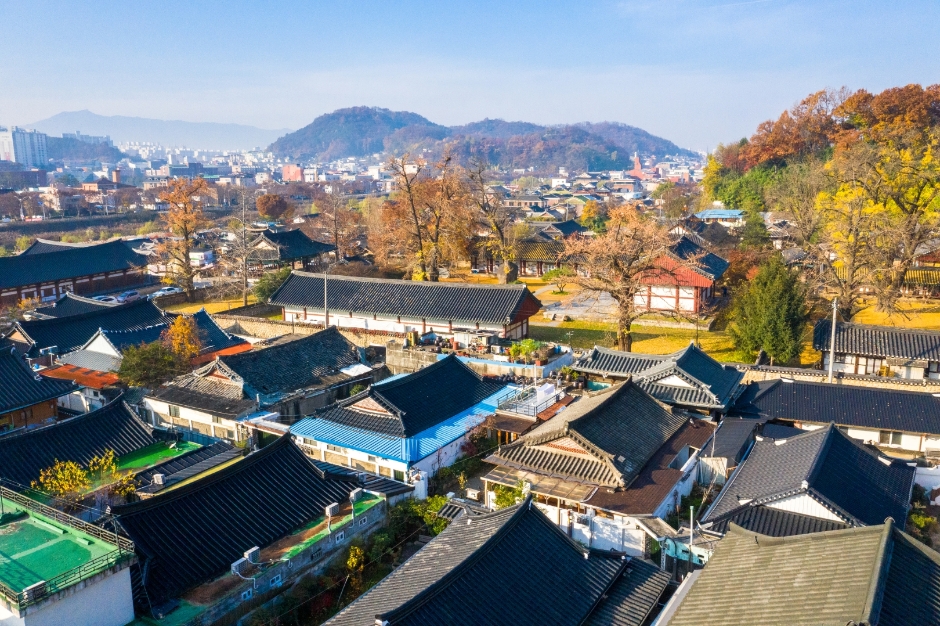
360	131
356	131
497	129
201	135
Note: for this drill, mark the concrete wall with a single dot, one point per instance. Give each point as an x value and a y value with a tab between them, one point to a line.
401	361
266	329
103	600
283	574
620	534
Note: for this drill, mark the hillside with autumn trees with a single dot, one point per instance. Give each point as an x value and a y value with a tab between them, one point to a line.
855	174
361	131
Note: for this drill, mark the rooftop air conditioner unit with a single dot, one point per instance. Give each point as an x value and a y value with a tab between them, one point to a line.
253	555
332	510
34	592
355	494
158	479
473	494
240	566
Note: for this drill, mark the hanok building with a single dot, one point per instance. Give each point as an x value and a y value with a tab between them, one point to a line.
817	480
901	423
415	421
402	306
606	465
689	379
70	305
538	253
27	399
251	527
510	567
685	281
49	270
57	569
289	248
876	575
113	427
60	335
292	375
880	350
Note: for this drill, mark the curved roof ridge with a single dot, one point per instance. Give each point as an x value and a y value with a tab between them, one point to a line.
423	283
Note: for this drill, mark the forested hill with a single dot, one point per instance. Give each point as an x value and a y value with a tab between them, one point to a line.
360	131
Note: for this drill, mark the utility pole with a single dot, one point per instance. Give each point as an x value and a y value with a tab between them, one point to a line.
832	339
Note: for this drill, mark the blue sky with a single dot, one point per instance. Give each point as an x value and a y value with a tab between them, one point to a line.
696	72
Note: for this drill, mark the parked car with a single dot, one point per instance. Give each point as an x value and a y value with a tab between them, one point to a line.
105	299
129	296
165	291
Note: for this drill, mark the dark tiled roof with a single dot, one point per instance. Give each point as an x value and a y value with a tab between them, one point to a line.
875	575
187	466
772	522
846	405
293	363
779	431
707	264
657	480
414	299
112	427
849	479
710	384
289	245
732	438
70	304
43	246
20	387
193	533
202	392
882	341
114	256
632	598
415	402
601	440
568	227
211	335
515	553
73	332
548	251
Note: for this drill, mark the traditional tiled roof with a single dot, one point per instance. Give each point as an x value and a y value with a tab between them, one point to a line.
288	245
112	427
185	466
97	377
198	390
20	387
852	481
513	554
771	522
70	304
732	438
211	336
73	332
43	246
707	264
113	256
494	304
292	363
386	487
408	405
193	533
880	341
688	377
602	440
546	251
846	405
875	575
656	482
568	228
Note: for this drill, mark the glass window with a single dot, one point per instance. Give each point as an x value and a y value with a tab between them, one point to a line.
889	437
400	476
840	358
216	419
174	410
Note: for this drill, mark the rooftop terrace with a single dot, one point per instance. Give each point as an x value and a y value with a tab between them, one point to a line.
41	544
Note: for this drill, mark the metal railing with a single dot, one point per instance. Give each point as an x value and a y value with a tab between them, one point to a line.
124	550
520	404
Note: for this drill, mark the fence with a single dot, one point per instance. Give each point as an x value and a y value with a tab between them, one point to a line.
525	402
125	550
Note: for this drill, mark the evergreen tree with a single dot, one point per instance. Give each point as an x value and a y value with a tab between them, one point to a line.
771	314
754	236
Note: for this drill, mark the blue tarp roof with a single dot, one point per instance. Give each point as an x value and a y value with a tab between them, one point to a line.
406	450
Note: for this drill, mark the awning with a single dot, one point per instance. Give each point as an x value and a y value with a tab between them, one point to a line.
542	485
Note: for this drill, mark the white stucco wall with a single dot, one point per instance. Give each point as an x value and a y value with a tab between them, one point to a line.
104	602
803	504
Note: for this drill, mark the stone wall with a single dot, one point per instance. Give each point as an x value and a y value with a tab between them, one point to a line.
757	373
266	329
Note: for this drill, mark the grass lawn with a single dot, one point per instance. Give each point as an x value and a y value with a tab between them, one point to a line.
914	314
216	306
